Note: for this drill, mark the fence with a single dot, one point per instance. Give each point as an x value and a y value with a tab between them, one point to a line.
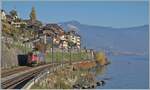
69	55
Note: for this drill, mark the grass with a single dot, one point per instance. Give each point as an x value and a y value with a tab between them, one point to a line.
58	56
22	48
64	79
36	86
14	33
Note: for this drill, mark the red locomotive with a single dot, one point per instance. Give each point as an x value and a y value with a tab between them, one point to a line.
35	58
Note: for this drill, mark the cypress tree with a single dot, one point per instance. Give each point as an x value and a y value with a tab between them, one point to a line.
33	15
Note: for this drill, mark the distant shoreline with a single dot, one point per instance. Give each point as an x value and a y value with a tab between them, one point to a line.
117	53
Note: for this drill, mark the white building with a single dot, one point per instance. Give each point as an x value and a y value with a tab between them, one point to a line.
75	38
63	37
18	24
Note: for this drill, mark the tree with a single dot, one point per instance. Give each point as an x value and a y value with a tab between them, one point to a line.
13	13
40	46
33	15
71	44
101	58
22	26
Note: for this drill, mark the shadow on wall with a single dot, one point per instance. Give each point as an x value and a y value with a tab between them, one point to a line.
22	60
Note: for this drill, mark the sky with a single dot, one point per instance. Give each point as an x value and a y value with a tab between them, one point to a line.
111	13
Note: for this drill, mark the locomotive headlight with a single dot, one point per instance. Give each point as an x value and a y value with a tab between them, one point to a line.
48	72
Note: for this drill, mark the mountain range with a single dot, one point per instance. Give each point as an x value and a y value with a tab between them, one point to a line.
133	39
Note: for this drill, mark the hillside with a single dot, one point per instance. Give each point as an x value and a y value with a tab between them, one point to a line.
12	46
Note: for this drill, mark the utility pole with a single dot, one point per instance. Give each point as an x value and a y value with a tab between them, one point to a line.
44	49
70	54
45	39
92	54
52	54
62	53
25	49
80	53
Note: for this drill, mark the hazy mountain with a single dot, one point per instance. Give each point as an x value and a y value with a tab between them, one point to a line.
134	39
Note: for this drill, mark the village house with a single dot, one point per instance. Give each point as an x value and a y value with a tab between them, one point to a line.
18	24
74	38
56	41
64	44
12	18
55	31
63	41
71	36
78	42
36	25
16	21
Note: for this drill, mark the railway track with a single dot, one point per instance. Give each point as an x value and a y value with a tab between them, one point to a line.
6	73
19	69
19	81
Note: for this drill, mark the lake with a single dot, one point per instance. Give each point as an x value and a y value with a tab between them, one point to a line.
125	72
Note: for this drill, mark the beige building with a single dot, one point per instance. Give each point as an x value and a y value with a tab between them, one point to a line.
63	41
64	45
78	41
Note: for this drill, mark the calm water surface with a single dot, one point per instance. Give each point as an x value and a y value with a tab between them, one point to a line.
125	72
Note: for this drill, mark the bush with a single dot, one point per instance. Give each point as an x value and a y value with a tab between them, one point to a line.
101	58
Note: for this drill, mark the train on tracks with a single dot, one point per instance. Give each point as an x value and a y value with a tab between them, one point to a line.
35	58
